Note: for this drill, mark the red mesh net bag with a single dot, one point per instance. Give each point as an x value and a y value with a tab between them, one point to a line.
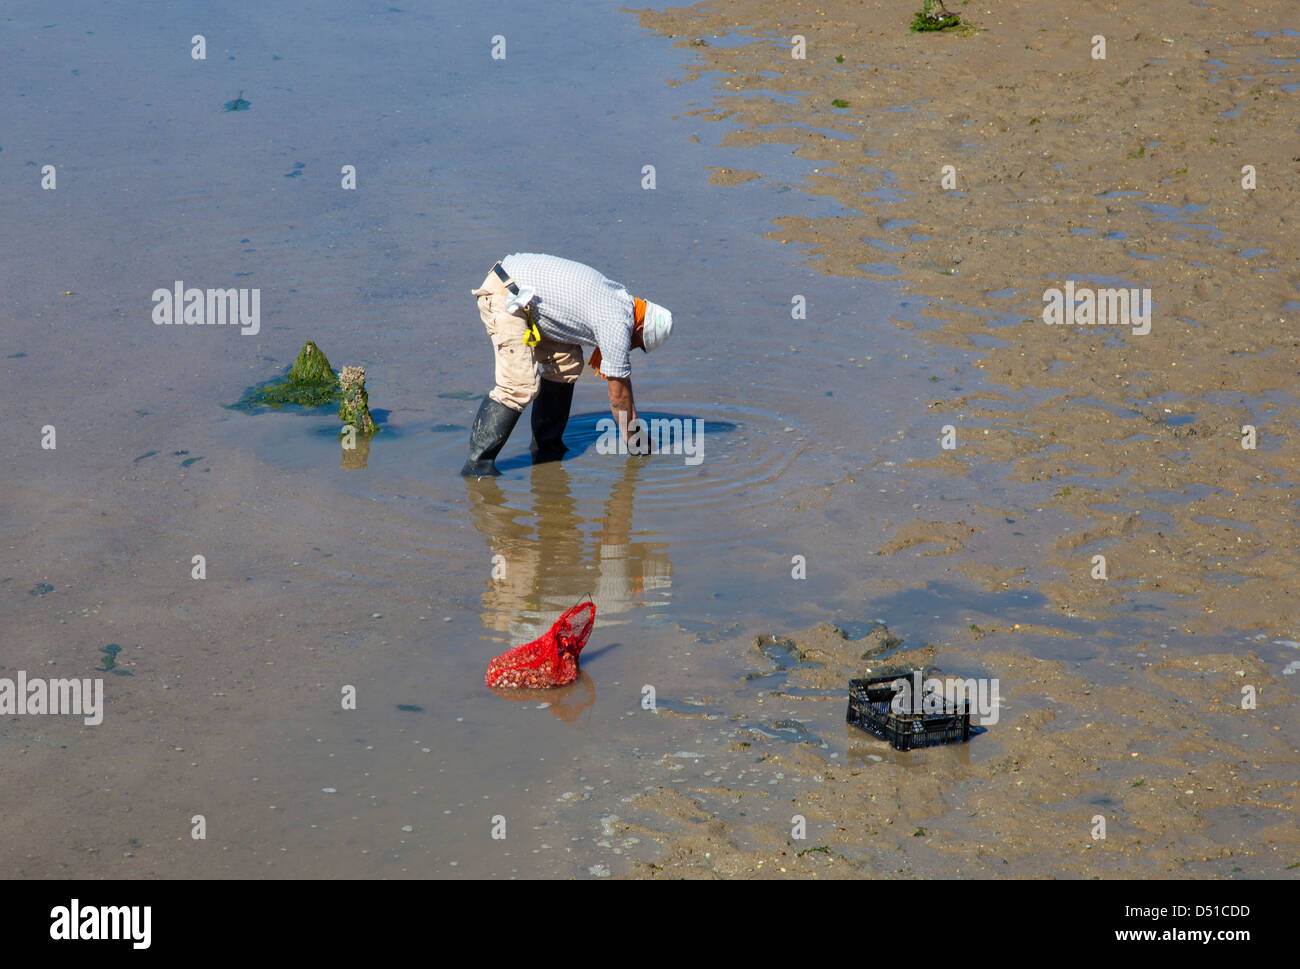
549	660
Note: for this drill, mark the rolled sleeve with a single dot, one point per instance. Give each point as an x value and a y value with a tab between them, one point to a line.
615	356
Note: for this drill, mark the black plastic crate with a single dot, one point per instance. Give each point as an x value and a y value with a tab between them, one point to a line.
870	708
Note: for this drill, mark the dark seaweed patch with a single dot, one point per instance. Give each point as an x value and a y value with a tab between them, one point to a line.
110	660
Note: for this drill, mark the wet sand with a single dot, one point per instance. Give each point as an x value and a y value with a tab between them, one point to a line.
1118	172
1124	171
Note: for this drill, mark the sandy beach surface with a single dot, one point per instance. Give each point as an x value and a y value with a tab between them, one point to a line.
1127	171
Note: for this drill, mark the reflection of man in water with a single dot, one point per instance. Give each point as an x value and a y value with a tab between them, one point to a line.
540	311
549	560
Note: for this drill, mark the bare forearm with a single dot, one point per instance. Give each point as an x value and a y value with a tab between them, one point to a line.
620	399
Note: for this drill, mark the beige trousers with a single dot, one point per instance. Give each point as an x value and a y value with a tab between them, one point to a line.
517	363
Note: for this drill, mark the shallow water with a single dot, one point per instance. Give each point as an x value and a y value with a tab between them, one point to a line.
323	573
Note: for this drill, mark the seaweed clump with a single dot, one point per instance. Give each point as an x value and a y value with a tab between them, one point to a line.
933	16
310	382
312	366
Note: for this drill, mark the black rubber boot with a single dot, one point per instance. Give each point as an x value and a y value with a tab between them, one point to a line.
550	415
492	425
